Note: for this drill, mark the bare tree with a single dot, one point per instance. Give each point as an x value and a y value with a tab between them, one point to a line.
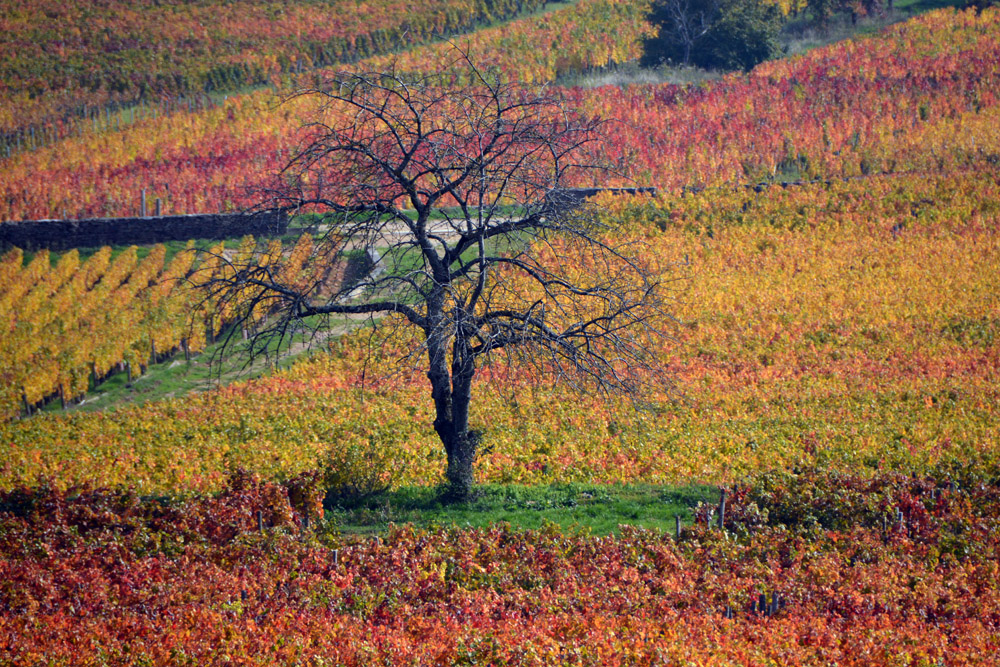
452	190
681	24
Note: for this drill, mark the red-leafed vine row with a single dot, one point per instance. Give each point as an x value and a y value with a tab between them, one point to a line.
194	582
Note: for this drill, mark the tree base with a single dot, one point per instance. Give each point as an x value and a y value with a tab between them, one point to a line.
457	492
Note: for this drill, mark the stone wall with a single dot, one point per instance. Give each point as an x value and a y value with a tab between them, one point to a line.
66	234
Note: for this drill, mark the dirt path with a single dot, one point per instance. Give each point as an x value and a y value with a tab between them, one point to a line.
394	232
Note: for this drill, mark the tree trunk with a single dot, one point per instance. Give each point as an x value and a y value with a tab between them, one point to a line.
452	393
461	456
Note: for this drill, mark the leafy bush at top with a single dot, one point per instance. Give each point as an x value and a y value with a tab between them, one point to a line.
714	34
745	35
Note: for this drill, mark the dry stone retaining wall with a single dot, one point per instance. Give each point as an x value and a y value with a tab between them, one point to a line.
66	234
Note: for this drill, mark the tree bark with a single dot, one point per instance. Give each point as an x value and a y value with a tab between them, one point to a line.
451	390
465	442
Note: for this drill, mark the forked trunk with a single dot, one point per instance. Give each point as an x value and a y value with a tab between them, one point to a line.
452	392
460	443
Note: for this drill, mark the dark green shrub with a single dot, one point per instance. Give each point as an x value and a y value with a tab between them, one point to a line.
713	34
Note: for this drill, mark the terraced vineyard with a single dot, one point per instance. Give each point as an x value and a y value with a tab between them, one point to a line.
926	102
830	585
826	232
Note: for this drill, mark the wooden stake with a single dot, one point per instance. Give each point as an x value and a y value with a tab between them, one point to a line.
722	509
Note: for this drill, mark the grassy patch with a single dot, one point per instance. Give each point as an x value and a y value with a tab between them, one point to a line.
595	508
630	73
